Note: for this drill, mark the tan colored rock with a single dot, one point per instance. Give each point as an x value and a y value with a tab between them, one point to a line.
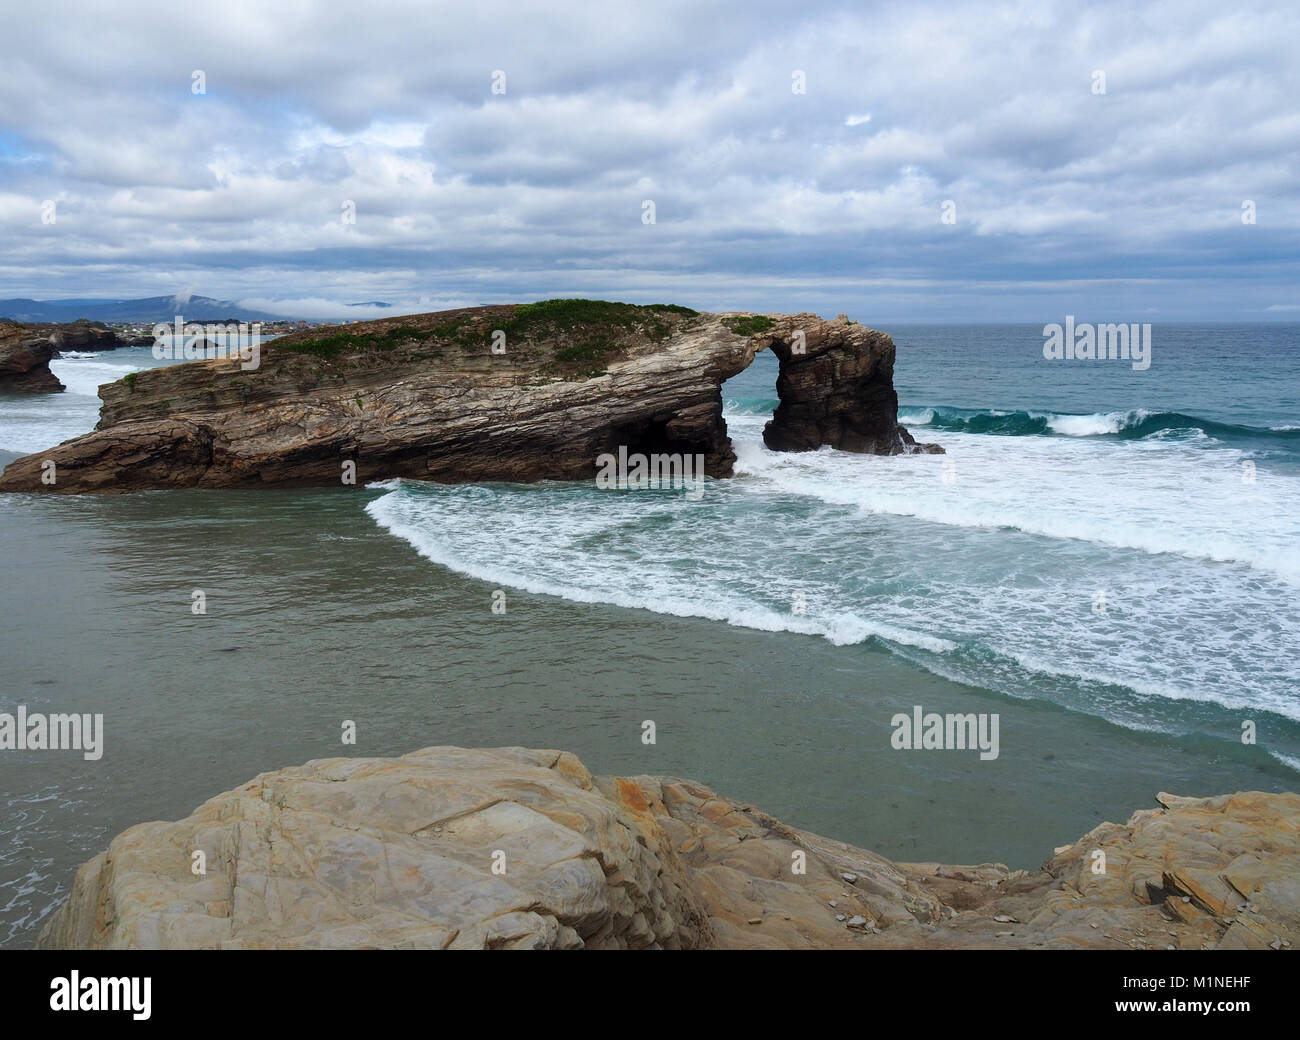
394	853
1207	890
400	853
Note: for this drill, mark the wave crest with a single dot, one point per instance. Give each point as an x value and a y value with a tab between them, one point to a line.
1124	425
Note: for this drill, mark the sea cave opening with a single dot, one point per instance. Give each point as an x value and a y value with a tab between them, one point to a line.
750	397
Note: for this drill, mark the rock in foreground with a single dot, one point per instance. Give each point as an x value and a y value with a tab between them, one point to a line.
514	392
514	848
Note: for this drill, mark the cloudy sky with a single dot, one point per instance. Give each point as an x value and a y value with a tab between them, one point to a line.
1123	205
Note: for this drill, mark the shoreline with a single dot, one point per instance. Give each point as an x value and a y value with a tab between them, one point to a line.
194	705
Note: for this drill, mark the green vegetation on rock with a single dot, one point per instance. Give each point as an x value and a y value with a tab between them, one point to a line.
590	318
590	329
748	324
341	342
586	334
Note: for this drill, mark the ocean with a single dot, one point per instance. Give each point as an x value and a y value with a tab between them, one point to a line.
1106	558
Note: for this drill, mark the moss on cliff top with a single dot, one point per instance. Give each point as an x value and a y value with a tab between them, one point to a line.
574	314
336	343
589	334
565	336
748	324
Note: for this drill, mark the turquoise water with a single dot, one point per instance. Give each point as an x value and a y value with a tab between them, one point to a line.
1138	561
1247	374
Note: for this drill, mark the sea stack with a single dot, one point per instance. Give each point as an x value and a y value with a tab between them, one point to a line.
25	355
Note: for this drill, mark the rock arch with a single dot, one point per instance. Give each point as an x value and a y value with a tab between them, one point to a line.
422	397
837	391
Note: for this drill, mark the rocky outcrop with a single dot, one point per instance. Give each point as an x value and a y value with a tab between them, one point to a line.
836	387
26	351
1195	873
80	335
514	848
521	393
25	361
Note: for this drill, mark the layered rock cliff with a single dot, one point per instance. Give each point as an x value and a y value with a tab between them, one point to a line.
26	351
79	335
514	848
25	360
515	392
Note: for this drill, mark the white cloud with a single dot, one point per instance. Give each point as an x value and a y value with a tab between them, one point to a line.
465	195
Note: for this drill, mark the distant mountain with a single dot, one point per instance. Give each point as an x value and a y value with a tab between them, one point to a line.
153	309
371	303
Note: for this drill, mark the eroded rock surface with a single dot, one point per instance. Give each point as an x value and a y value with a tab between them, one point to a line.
356	852
78	335
426	397
25	360
838	390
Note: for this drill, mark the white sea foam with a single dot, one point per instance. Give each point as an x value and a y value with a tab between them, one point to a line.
83	375
1091	425
993	586
1157	496
34	422
564	568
